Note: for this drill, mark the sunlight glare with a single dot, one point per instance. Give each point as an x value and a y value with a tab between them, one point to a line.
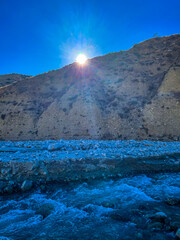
81	59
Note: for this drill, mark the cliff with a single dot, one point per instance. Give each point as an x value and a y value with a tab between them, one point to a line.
132	94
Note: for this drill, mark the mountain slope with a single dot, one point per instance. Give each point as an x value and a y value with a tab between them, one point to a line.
8	79
132	94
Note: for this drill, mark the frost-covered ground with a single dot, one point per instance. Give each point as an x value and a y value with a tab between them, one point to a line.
77	149
141	206
65	161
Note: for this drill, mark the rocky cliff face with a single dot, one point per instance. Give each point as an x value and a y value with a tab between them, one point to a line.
132	94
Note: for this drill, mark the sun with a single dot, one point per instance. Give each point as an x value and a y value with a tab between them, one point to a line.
81	59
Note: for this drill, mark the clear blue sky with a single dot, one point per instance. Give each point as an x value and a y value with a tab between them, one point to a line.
40	35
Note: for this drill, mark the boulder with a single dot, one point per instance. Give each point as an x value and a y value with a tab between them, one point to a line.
26	185
178	233
45	209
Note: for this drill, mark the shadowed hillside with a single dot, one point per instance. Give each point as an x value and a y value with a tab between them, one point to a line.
132	94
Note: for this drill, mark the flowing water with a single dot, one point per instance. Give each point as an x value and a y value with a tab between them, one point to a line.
105	209
125	207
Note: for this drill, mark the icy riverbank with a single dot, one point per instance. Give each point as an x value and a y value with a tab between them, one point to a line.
27	164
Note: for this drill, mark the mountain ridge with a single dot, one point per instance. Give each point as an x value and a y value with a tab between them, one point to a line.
131	94
8	79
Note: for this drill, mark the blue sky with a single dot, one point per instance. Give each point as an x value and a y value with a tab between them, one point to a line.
40	35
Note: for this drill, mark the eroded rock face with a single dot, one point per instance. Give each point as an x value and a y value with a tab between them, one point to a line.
130	94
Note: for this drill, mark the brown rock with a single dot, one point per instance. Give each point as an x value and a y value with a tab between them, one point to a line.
130	94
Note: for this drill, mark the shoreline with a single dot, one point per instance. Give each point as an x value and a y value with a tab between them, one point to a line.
24	165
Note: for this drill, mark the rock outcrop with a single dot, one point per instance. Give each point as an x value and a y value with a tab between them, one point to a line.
132	94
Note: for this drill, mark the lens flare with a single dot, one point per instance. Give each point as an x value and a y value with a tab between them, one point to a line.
81	59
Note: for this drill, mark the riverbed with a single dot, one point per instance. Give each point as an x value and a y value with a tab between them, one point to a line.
123	205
